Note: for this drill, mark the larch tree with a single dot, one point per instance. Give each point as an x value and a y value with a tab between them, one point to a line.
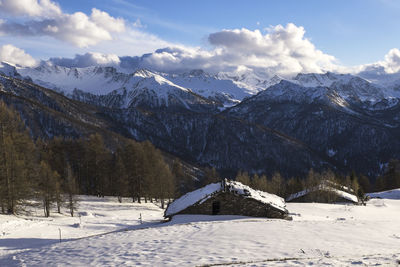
17	161
71	189
47	184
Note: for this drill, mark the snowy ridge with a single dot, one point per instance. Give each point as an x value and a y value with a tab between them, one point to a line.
95	80
141	88
204	193
315	79
227	88
210	86
289	91
349	87
8	69
342	90
100	80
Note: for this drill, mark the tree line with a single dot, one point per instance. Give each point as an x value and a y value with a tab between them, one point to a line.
54	171
391	177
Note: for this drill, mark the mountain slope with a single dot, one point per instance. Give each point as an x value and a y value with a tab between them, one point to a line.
321	117
98	80
318	121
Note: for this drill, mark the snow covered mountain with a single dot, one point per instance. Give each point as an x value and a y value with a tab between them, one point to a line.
349	120
147	89
232	121
342	88
227	89
216	87
100	81
115	89
379	76
316	79
8	70
96	79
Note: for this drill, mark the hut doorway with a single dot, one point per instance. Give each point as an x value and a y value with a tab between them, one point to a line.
216	205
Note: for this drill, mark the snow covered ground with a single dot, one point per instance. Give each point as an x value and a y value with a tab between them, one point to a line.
320	234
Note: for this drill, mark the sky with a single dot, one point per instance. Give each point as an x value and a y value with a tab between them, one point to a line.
312	35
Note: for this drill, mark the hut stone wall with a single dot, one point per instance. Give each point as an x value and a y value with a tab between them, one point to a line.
227	203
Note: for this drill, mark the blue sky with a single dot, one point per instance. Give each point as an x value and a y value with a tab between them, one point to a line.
354	31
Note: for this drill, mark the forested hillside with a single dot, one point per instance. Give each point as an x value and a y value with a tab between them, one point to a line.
54	170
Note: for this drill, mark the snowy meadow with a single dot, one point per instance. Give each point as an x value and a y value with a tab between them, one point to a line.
109	233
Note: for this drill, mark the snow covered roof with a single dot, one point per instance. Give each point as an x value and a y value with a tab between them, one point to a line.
204	193
326	185
391	194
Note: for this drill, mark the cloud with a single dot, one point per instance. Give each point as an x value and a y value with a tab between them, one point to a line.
16	56
77	29
392	61
390	65
281	50
86	60
33	8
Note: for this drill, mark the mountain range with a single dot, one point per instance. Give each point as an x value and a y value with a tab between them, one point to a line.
241	121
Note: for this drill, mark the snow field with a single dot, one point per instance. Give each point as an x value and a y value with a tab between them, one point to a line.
94	216
320	234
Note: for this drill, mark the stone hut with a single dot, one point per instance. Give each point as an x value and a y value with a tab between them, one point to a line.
325	192
229	198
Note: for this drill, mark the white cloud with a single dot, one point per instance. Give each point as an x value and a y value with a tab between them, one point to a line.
77	28
282	50
104	20
390	65
392	61
86	60
16	56
34	8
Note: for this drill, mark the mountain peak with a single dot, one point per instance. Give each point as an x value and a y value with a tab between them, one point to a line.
317	79
8	69
144	73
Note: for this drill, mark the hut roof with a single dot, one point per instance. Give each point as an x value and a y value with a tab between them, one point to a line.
202	194
327	186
